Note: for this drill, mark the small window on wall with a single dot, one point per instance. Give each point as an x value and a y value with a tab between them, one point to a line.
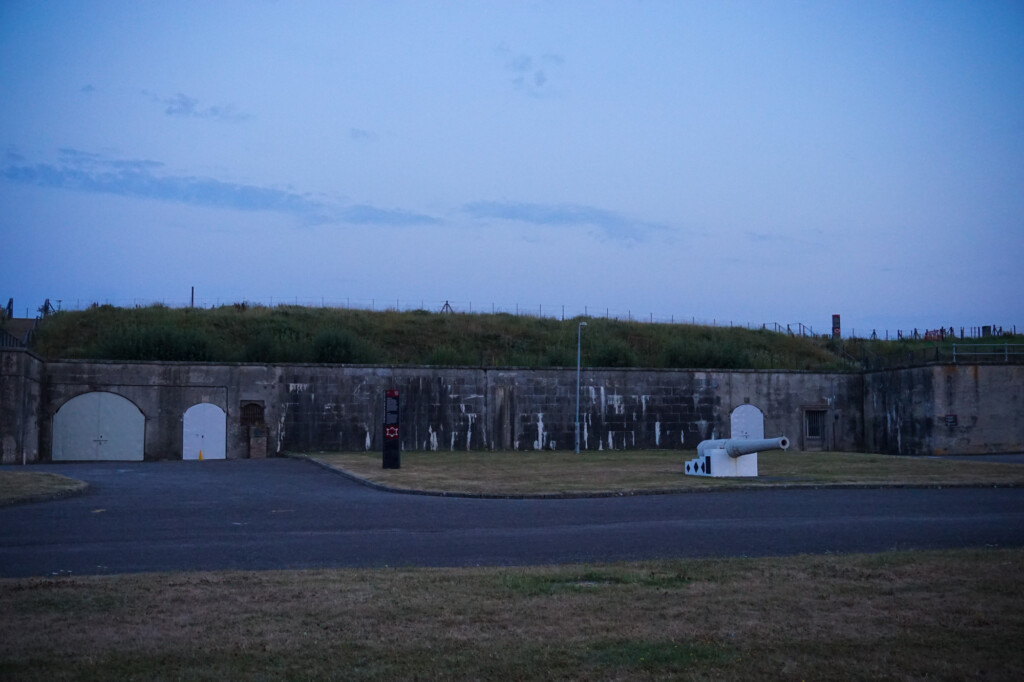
252	414
814	424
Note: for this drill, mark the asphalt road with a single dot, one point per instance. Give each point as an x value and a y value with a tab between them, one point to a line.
282	513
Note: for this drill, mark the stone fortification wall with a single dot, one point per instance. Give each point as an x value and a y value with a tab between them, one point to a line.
944	409
21	388
331	408
163	391
665	408
327	408
301	408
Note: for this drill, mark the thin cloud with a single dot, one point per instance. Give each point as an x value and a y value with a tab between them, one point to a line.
139	178
768	236
612	224
360	135
520	63
370	215
136	180
184	106
180	105
531	75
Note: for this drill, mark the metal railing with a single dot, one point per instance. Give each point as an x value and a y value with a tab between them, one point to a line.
8	340
988	352
958	353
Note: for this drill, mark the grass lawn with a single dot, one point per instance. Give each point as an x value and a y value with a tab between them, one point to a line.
524	473
910	615
24	486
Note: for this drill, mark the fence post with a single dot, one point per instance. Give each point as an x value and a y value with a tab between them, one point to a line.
954	353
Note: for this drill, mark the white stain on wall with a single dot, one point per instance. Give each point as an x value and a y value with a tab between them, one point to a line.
280	430
469	429
894	422
539	443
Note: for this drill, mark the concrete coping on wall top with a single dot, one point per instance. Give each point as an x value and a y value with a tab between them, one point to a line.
473	368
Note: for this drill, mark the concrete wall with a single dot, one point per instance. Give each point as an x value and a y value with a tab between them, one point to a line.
943	409
665	408
330	408
163	391
325	408
341	408
21	387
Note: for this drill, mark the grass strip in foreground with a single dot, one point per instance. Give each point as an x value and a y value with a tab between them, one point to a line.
900	615
29	486
610	472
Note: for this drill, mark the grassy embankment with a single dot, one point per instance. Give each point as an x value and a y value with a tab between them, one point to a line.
243	333
950	615
540	473
295	334
26	486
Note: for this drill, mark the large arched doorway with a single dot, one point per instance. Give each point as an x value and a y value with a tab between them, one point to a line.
98	426
204	432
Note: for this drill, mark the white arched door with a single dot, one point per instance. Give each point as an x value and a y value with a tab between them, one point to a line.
204	432
98	426
746	422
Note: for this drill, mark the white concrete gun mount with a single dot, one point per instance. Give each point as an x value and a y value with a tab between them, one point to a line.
731	457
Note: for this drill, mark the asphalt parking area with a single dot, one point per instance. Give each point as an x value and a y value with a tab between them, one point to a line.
284	513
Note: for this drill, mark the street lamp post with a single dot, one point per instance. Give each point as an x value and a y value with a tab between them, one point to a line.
579	339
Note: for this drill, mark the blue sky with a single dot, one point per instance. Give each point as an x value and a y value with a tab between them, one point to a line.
749	162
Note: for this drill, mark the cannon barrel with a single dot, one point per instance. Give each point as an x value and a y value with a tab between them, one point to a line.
735	447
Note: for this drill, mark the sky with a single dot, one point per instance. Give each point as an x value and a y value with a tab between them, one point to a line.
721	162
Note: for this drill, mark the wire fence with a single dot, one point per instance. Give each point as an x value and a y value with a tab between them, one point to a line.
539	310
955	354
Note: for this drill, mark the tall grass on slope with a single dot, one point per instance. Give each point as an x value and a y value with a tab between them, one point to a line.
293	334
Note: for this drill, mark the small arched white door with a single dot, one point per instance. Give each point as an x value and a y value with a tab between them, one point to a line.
747	422
204	432
98	426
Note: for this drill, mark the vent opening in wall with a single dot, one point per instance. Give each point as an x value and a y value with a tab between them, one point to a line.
252	414
814	429
255	428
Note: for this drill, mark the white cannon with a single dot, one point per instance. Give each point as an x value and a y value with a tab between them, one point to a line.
731	457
